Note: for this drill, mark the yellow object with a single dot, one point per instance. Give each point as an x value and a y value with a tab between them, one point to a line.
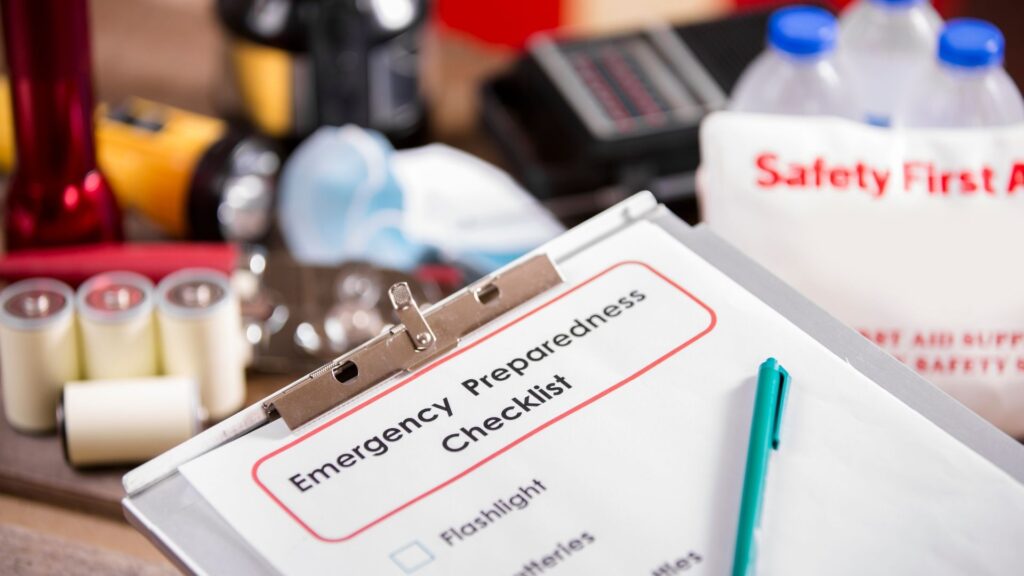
150	160
265	79
7	153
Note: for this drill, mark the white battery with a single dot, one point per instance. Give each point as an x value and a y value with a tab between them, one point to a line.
115	319
38	350
104	422
200	333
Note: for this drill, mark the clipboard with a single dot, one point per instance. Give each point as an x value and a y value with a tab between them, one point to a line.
164	505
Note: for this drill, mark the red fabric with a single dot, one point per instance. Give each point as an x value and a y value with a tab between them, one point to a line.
511	23
501	22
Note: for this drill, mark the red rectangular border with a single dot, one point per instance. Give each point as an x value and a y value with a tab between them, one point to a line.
255	468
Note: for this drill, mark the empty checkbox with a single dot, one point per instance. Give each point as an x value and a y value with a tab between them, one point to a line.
412	557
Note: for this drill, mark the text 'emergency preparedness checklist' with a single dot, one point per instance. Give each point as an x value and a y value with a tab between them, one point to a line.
434	428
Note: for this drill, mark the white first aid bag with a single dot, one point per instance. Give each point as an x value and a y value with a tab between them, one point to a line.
913	237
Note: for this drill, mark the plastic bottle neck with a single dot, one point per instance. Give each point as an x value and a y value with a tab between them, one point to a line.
965	72
801	59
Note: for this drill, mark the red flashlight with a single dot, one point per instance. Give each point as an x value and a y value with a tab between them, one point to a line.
57	195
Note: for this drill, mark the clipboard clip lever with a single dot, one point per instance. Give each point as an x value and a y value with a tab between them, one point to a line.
421	336
411	317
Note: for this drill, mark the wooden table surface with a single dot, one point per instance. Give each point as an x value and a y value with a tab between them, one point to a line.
37	539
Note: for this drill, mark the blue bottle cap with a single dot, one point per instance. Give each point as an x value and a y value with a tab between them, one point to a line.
802	30
971	43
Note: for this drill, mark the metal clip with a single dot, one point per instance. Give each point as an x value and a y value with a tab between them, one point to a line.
409	313
420	338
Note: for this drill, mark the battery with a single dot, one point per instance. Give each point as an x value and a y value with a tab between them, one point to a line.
38	350
115	317
104	422
200	331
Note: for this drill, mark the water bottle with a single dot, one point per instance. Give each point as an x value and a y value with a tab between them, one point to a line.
883	45
967	86
797	73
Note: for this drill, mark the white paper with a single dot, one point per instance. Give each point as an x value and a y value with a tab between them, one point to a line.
642	474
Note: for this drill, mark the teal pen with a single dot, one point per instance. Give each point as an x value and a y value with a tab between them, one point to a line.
772	389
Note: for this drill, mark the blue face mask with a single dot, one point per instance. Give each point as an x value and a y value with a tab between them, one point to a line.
339	201
345	194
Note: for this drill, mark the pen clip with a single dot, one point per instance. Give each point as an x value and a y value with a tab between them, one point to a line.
780	403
